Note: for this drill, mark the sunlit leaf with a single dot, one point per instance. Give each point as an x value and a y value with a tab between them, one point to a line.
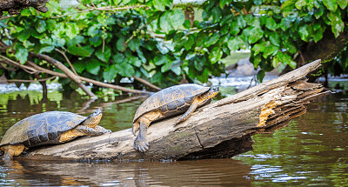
110	73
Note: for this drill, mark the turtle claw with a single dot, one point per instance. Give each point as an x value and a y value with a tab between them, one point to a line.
141	145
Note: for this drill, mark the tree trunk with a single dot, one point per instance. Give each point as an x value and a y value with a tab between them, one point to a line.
221	129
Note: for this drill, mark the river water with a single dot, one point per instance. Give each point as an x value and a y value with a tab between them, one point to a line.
312	150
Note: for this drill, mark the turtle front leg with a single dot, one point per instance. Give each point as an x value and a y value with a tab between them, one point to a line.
12	150
187	114
102	129
89	131
140	142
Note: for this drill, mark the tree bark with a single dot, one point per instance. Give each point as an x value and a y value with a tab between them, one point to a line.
221	129
13	6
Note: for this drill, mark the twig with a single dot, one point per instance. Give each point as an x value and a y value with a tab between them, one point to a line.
146	83
66	70
105	85
7	17
13	63
7	68
110	8
37	80
66	58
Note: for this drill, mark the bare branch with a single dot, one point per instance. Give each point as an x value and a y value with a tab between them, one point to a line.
37	80
146	83
16	64
7	17
7	68
66	58
105	85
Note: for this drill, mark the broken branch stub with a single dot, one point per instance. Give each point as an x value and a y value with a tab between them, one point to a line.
221	129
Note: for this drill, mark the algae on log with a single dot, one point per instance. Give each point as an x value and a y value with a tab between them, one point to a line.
221	129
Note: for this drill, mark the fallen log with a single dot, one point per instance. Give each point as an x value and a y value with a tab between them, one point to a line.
221	129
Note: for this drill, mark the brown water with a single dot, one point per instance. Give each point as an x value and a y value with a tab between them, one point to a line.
312	150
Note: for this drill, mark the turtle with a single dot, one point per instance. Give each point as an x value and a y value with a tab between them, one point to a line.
183	98
52	127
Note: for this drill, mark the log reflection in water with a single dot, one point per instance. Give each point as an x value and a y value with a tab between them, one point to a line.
192	173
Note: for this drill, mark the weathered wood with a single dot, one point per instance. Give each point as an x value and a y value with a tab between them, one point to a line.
221	129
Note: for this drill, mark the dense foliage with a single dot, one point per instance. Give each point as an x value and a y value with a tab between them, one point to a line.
107	40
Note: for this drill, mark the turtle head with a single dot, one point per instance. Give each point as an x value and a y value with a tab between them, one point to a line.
212	92
93	120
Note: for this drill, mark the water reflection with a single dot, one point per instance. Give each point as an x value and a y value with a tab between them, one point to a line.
185	173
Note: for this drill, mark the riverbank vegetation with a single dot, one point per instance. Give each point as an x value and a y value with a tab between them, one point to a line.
160	43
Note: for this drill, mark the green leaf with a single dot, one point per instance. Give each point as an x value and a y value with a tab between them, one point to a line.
103	56
285	24
79	51
95	41
260	75
25	12
134	44
342	3
161	59
118	58
135	61
72	30
23	35
189	42
125	69
331	4
257	48
161	4
165	20
215	55
256	34
110	73
76	40
300	3
290	46
177	18
235	43
216	12
79	66
47	49
275	39
303	31
187	24
21	53
287	7
93	66
199	64
257	2
241	22
318	34
234	28
270	50
166	67
41	26
141	56
157	77
271	24
275	61
121	43
212	39
93	31
285	58
336	22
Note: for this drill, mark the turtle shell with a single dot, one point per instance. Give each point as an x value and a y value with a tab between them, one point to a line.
41	129
171	101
